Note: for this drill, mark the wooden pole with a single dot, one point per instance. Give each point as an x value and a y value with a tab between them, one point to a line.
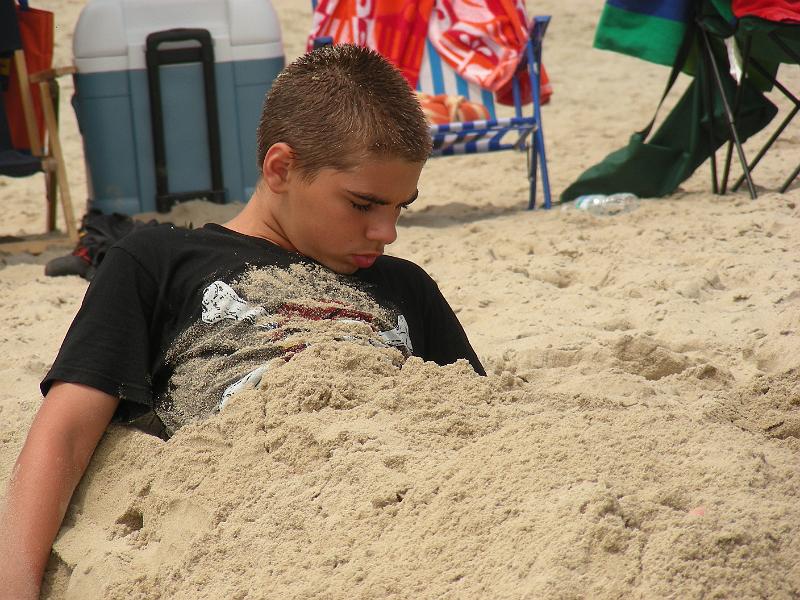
27	103
55	148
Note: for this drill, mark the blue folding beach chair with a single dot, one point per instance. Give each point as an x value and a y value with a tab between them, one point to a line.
522	132
493	135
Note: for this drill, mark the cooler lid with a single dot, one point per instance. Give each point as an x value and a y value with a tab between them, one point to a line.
110	34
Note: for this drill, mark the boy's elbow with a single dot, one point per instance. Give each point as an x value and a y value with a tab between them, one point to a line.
72	420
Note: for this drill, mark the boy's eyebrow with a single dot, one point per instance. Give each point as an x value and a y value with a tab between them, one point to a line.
380	201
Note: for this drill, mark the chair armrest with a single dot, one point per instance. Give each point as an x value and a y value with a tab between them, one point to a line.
536	31
50	74
538	28
531	53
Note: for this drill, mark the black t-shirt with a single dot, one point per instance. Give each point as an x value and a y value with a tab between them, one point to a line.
177	320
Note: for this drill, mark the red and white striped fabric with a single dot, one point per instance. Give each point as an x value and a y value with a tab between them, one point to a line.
482	40
397	29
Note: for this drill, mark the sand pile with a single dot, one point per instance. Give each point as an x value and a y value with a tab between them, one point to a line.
638	436
350	474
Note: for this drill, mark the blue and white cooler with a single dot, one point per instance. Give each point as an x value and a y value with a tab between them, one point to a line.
168	94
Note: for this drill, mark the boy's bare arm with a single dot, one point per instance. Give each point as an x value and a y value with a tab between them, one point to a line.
59	446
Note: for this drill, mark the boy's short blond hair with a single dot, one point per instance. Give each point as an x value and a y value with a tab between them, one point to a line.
340	105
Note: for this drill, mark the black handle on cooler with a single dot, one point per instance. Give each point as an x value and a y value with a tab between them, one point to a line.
157	57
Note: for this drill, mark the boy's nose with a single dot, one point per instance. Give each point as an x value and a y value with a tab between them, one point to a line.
383	230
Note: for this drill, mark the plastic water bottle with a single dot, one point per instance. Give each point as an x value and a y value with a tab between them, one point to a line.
612	204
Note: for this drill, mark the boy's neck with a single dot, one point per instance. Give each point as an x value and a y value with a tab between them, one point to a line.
257	220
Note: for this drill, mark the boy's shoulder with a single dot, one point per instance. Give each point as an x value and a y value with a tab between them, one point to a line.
159	247
400	274
147	233
401	266
161	238
146	236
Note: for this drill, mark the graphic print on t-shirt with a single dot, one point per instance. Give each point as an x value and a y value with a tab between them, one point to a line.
265	317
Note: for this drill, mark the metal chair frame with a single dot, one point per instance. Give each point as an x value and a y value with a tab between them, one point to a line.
721	186
472	137
748	60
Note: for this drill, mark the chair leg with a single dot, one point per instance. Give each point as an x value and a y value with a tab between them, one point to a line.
767	145
51	178
748	44
796	58
539	141
531	156
534	51
790	179
27	103
779	130
708	102
61	172
51	184
728	113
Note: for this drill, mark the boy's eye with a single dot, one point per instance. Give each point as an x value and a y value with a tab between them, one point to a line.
361	207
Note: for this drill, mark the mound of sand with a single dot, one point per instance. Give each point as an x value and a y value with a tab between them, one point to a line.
638	436
350	474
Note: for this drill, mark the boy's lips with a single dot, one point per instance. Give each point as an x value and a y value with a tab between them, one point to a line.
364	261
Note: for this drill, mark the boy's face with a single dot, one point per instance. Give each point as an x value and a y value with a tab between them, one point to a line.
344	219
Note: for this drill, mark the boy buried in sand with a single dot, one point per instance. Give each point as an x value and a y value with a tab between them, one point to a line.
176	320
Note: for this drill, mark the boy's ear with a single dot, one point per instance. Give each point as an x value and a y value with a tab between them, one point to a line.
278	162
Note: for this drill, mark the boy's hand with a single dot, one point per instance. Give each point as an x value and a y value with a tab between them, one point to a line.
59	446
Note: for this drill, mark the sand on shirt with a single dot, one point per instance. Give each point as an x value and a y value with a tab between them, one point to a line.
283	311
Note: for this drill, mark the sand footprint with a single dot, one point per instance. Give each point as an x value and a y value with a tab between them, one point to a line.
642	355
768	404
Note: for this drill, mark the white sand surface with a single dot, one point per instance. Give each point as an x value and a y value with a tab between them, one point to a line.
638	435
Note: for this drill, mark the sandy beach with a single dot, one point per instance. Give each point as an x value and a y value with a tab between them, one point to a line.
638	435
